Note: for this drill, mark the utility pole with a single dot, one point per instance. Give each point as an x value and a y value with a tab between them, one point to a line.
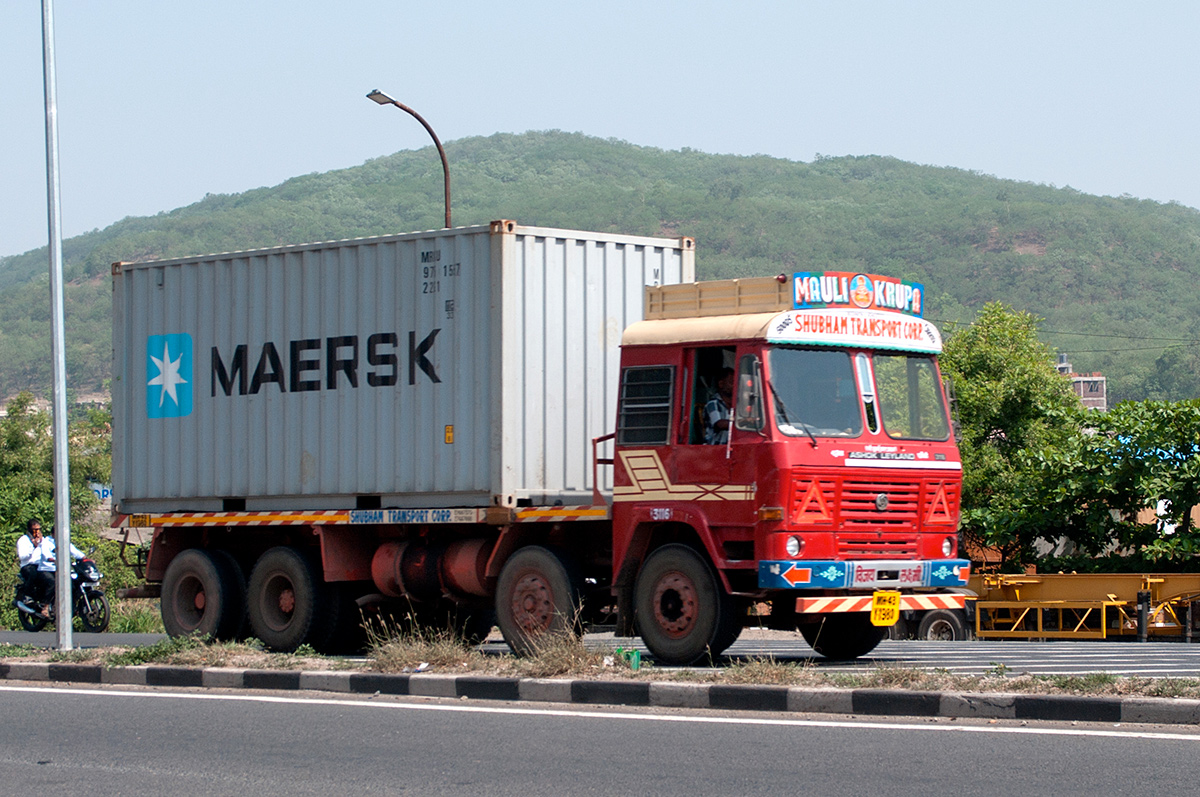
62	495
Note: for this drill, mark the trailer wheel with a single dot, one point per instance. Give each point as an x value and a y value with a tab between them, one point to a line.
203	594
942	625
286	599
536	594
233	624
844	636
682	612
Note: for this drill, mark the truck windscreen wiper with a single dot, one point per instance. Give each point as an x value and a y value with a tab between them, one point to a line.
786	418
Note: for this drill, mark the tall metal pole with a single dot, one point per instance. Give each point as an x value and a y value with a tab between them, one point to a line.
62	496
383	99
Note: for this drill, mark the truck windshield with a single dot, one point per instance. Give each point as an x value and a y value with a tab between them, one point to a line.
814	392
910	398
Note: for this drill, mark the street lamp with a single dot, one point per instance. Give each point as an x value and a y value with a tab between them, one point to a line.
383	99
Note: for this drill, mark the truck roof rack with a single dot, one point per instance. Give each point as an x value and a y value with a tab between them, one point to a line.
719	297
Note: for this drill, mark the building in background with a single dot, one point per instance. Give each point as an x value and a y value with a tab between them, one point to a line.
1091	388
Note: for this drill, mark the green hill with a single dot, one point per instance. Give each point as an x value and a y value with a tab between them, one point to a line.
1114	277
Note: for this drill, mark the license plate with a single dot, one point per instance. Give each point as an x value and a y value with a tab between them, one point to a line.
885	608
139	521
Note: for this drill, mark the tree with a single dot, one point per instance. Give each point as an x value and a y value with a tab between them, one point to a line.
1011	401
1139	455
27	466
1176	374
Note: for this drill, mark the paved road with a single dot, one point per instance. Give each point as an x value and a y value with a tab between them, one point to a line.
1150	659
190	743
49	639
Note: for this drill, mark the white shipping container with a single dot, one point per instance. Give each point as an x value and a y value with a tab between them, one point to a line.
452	368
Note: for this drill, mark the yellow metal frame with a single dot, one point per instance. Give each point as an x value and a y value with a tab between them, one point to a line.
1081	605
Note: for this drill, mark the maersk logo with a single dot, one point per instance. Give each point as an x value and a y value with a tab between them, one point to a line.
169	368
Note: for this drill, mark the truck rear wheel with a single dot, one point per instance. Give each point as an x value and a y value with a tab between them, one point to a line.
536	595
843	636
203	594
943	625
682	612
287	600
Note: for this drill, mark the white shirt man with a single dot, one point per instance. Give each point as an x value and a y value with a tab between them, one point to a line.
716	411
47	563
29	546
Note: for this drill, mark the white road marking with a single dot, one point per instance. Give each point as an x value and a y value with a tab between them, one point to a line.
616	715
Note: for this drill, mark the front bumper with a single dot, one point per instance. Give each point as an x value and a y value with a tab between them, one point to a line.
863	574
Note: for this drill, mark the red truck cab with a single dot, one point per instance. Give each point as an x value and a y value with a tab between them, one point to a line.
838	477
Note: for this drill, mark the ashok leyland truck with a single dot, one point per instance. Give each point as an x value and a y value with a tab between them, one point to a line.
512	423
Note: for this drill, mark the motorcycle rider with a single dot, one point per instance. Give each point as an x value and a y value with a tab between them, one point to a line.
30	551
46	566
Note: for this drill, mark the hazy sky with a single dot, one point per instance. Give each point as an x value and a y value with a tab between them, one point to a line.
161	102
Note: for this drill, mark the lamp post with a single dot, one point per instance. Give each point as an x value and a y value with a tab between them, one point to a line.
62	504
383	99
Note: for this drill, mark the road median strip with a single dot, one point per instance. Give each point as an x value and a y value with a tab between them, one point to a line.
730	697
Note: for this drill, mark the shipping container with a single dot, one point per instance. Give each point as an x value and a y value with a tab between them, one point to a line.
466	367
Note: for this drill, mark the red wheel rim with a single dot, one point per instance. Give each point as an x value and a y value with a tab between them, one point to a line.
532	604
675	604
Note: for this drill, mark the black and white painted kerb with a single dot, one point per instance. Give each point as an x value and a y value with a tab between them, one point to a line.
802	700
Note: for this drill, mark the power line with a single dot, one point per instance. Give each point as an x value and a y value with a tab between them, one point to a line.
1111	351
1088	334
1123	337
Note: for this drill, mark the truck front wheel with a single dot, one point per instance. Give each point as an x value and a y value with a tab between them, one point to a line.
286	600
535	595
203	593
682	612
843	636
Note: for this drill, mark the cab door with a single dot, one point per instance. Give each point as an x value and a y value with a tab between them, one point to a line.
693	461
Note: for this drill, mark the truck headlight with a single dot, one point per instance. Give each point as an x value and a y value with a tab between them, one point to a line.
948	546
794	546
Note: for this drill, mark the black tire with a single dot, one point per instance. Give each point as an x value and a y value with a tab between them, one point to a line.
681	611
286	600
338	628
733	622
845	636
943	625
93	620
901	630
203	595
537	594
234	624
31	622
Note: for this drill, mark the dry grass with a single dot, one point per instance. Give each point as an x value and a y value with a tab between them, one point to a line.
395	650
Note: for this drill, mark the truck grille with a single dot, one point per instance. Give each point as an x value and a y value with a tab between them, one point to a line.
861	529
859	510
859	545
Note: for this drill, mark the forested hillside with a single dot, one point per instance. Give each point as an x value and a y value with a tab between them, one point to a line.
1115	278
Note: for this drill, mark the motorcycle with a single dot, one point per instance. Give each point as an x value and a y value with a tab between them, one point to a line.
90	602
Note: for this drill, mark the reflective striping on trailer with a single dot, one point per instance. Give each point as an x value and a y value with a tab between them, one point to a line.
539	514
862	603
558	514
247	518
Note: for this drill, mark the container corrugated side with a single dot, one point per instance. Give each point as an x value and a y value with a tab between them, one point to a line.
458	367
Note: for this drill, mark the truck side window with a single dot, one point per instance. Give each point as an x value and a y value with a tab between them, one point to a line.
645	414
749	412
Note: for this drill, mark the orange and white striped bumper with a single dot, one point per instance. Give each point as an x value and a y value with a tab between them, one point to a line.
862	603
